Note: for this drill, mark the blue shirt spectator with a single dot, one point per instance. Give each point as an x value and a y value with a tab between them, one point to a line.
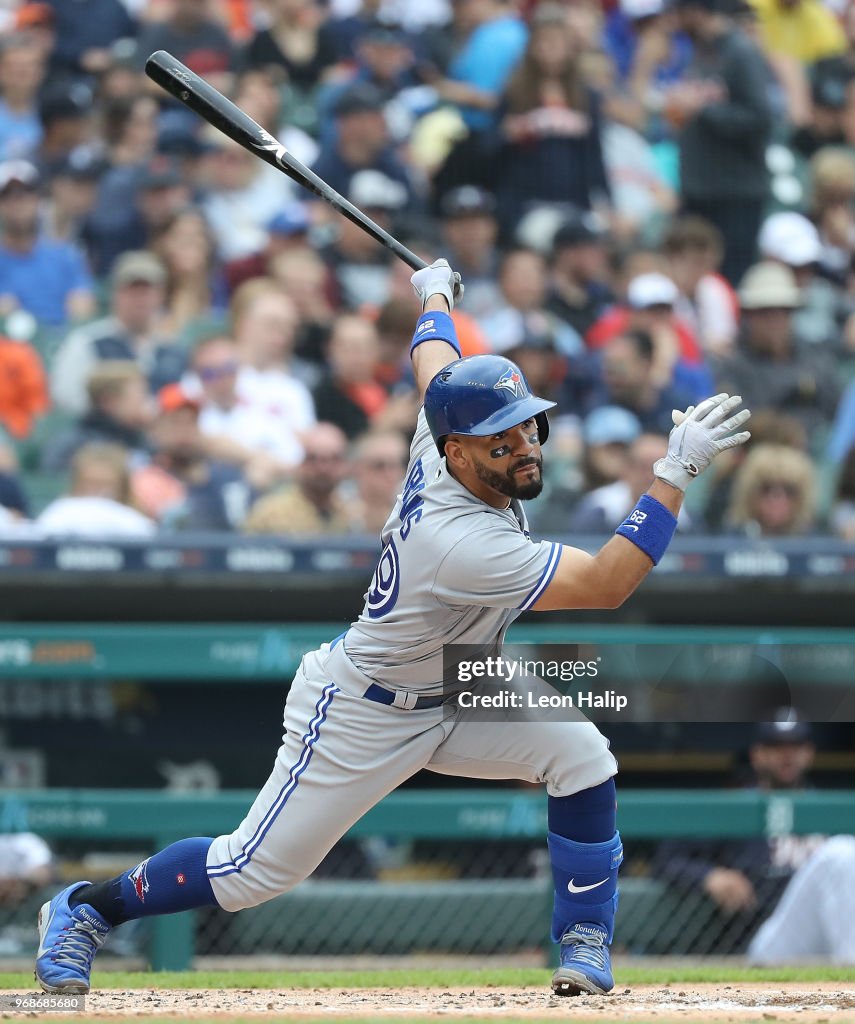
43	278
486	60
85	30
48	279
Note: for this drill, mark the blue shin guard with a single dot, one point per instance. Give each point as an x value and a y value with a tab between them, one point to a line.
585	877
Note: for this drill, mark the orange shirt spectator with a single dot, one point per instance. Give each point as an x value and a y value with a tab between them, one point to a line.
23	387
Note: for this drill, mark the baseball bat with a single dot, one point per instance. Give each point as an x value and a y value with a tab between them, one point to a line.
210	104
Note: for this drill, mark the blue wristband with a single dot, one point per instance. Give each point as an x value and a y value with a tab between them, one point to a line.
650	526
435	327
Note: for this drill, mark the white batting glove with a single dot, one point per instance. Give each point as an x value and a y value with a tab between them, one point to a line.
438	279
699	435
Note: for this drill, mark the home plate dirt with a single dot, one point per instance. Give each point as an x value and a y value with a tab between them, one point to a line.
812	1004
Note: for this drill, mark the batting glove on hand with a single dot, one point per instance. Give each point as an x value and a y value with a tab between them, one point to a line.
438	279
699	435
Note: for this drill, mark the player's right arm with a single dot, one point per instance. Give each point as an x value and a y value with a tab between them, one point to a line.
435	341
606	579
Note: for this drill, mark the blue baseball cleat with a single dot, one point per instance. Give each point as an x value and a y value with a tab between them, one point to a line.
68	940
585	962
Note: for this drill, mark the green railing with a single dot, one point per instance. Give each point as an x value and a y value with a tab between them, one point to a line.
159	818
210	653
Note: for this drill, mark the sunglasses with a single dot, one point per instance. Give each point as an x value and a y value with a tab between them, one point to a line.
323	457
779	487
381	464
216	372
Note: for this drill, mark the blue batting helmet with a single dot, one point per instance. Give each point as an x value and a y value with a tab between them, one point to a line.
479	396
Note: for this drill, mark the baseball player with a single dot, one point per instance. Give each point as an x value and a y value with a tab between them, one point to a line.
366	711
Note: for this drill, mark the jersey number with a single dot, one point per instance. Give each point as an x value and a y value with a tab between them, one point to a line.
383	592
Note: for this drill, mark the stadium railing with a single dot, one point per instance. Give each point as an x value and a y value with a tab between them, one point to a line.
379	916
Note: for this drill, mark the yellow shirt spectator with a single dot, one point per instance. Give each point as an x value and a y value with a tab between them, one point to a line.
803	29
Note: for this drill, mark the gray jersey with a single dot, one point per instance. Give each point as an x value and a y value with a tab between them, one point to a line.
453	571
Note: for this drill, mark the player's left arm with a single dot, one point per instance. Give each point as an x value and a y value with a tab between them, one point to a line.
606	579
435	342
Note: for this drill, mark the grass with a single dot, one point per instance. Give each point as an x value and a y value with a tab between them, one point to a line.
441	978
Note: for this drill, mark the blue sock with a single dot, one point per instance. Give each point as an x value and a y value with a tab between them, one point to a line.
173	880
586	817
585	878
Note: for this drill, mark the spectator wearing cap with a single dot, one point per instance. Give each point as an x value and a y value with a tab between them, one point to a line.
349	394
552	128
26	866
293	45
48	279
22	69
707	303
264	325
828	104
722	113
651	299
181	488
607	433
195	286
134	202
791	239
35	20
648	51
600	459
119	412
131	333
469	232
358	265
65	112
287	232
85	31
244	194
195	37
768	368
72	194
523	281
627	375
579	287
774	494
830	122
385	60
361	142
604	509
314	504
787	897
99	503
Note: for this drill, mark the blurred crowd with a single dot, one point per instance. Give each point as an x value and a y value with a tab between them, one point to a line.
649	201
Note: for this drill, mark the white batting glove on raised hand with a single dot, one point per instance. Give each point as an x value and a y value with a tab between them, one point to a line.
699	435
438	279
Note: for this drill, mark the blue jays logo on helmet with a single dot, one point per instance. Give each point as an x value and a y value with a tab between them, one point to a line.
512	380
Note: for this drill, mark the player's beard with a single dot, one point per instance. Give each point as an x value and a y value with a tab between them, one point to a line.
507	483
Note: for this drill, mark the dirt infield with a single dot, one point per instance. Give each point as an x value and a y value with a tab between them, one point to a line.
812	1004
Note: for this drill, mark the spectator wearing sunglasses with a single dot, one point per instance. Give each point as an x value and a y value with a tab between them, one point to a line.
236	430
774	494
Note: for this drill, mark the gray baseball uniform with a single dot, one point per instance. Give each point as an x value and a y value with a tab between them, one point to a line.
453	570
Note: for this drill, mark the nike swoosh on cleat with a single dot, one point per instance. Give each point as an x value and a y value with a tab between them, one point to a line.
43	931
584	888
